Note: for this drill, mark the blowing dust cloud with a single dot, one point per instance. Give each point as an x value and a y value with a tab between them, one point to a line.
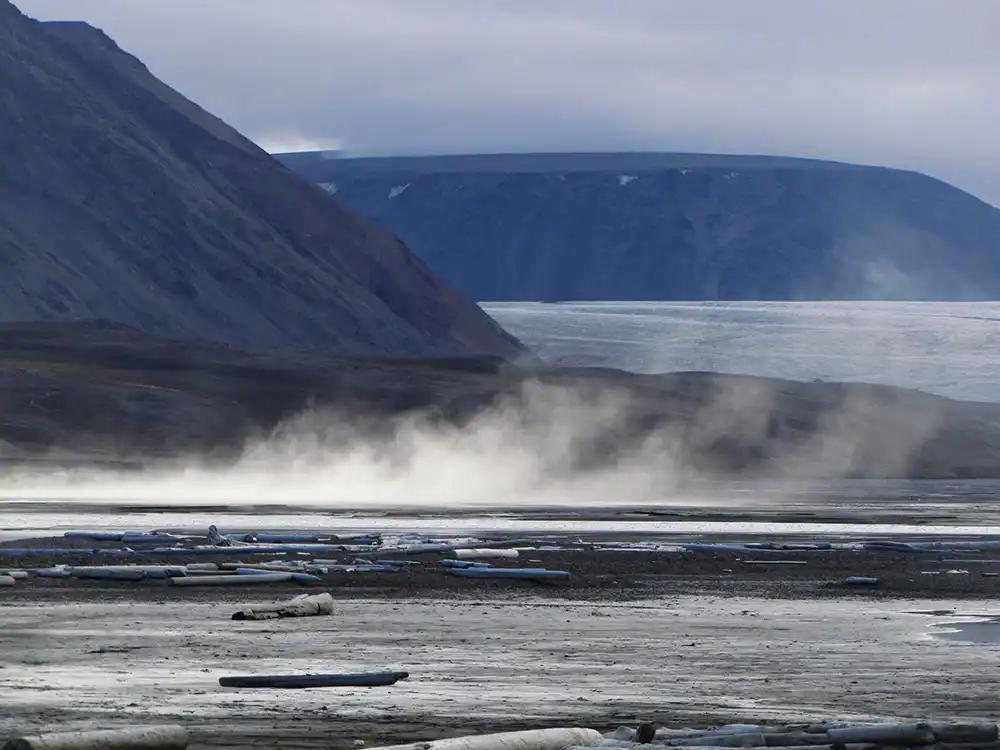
543	444
533	450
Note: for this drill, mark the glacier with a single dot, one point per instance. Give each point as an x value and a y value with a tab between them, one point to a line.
947	348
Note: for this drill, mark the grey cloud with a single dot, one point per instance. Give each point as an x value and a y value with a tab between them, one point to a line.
904	83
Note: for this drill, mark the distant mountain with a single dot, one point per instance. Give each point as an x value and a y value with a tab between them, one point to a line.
120	200
634	226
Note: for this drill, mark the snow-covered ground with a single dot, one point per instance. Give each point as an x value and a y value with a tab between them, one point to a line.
942	347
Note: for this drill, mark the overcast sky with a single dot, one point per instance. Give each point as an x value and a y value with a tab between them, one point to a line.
904	83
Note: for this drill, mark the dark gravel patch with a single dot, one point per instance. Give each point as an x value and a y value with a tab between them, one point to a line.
595	575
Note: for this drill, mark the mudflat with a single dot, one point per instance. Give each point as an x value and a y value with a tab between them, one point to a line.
483	665
677	638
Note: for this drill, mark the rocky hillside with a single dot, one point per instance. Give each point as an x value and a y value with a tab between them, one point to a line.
122	201
675	226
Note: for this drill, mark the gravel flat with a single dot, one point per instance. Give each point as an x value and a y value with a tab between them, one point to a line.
679	638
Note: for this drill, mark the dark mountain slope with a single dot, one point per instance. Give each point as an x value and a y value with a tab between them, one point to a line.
121	200
675	226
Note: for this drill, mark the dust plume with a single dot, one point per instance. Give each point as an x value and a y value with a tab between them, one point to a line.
574	440
525	450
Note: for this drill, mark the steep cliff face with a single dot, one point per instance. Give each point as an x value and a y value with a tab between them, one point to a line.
121	200
675	226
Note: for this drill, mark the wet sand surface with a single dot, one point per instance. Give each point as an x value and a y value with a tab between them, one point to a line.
673	637
669	636
484	664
